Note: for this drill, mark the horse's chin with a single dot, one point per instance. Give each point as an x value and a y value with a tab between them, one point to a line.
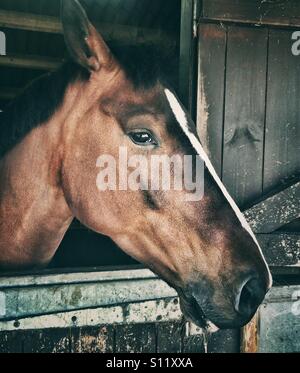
194	313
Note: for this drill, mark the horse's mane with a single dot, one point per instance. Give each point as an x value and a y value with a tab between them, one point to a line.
34	106
43	96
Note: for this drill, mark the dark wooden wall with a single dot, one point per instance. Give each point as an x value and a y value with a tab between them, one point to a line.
271	12
147	338
250	90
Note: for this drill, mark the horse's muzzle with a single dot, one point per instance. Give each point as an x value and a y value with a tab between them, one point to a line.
226	308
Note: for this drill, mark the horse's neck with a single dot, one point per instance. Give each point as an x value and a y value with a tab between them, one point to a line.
34	215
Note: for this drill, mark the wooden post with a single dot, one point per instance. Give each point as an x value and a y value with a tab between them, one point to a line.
188	47
250	333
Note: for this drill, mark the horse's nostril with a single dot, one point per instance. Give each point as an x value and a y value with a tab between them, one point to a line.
249	298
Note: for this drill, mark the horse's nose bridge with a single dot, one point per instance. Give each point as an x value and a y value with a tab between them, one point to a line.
242	255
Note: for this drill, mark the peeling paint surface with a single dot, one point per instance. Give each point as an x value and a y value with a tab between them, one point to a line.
279	325
25	301
2	304
202	115
133	313
275	211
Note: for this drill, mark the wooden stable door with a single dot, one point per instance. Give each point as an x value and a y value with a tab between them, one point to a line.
248	117
248	112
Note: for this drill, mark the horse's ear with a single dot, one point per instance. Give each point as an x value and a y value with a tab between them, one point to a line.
84	42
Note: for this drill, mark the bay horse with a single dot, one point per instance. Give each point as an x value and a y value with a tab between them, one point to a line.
51	138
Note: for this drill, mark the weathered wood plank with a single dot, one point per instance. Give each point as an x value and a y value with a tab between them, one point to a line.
187	49
135	338
193	344
224	341
245	113
62	340
169	337
47	299
284	294
273	12
293	227
14	280
281	249
282	143
93	340
82	318
211	81
11	342
122	34
134	313
276	211
102	339
193	339
47	341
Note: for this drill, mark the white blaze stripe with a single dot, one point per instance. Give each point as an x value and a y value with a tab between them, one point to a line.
181	117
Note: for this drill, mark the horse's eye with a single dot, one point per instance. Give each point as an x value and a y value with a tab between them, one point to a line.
142	138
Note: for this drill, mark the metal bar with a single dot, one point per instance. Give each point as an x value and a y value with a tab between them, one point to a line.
30	62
